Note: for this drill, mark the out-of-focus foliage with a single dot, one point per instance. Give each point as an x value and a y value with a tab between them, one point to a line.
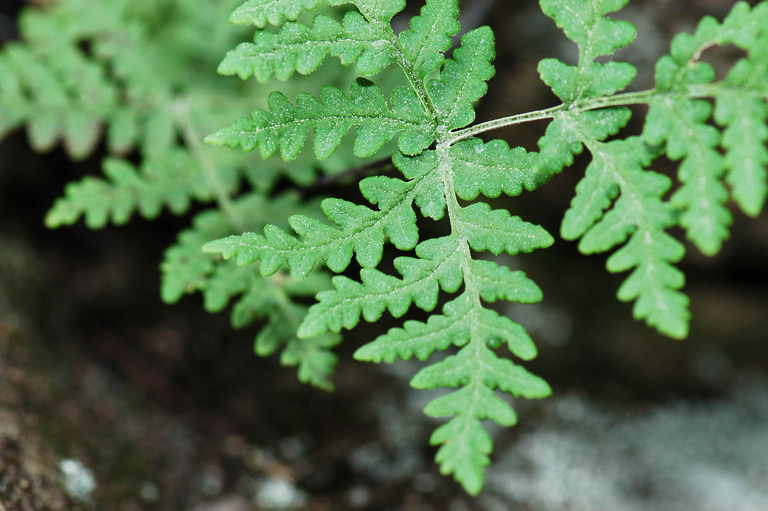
140	77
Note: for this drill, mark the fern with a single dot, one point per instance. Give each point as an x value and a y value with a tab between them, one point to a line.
297	48
187	269
137	84
123	71
621	203
439	104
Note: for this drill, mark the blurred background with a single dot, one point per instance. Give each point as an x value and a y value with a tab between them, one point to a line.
112	400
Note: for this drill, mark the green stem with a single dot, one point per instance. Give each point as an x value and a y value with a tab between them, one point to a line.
585	105
457	136
402	60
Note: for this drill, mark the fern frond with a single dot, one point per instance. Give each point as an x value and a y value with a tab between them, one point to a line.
466	444
490	169
745	117
437	266
463	79
302	49
172	181
61	95
680	123
361	230
276	12
273	12
381	11
619	204
430	35
187	269
440	99
135	86
286	126
497	231
637	215
562	142
596	35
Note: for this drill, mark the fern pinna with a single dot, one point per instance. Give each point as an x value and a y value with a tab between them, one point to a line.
621	204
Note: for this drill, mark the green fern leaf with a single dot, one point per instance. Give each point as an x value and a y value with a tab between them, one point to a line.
454	327
463	79
596	35
61	95
500	283
561	142
637	215
490	169
297	48
273	12
681	124
421	339
430	35
745	117
187	269
172	182
744	138
313	357
381	11
465	442
360	230
436	267
135	85
497	231
465	322
286	126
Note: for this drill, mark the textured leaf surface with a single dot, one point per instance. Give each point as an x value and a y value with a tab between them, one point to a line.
298	48
618	202
596	35
490	169
562	142
187	269
286	126
172	182
465	442
430	35
463	79
436	267
358	230
682	125
273	12
745	117
498	231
